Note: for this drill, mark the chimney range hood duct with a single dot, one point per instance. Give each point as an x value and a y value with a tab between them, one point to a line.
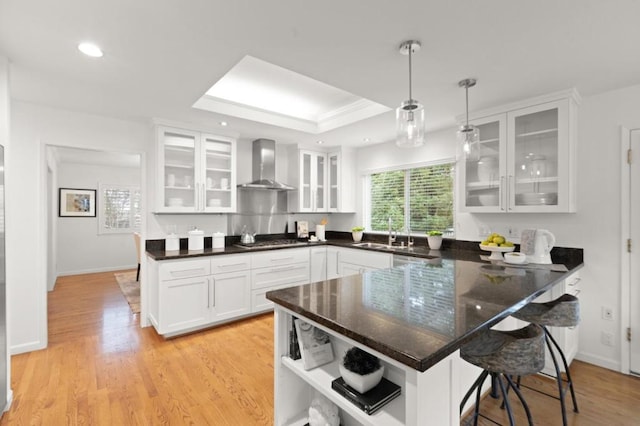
264	167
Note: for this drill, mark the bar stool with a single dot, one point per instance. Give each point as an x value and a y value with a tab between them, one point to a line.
561	312
504	354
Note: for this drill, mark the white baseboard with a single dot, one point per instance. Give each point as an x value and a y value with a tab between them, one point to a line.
9	400
26	347
599	361
96	270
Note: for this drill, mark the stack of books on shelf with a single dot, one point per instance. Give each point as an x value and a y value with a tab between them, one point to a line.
372	400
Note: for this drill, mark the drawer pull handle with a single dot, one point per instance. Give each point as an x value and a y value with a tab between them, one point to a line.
187	272
233	264
280	259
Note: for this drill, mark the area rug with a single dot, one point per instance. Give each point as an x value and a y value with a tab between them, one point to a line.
130	289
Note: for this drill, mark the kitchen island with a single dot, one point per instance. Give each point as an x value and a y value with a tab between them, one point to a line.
414	318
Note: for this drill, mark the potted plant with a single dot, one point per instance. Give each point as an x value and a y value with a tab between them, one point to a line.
361	370
435	239
356	233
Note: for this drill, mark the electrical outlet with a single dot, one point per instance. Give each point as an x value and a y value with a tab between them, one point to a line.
607	338
607	313
513	232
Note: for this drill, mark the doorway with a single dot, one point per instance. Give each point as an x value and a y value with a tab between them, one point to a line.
80	245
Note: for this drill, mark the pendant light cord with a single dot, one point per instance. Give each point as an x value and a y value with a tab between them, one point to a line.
466	90
410	96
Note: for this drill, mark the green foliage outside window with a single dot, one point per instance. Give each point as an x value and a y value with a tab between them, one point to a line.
430	199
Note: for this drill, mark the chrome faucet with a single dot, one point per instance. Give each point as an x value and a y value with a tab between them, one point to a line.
392	235
409	240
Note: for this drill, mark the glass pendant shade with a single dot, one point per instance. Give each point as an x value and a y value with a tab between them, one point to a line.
469	137
410	124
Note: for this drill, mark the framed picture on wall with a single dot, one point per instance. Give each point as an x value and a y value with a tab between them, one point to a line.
74	202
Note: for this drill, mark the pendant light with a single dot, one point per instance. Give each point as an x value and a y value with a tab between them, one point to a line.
410	114
468	133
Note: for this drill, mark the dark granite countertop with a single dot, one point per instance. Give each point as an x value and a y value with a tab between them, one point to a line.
419	313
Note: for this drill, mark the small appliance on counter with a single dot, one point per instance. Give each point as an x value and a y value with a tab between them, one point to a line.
196	239
537	245
218	240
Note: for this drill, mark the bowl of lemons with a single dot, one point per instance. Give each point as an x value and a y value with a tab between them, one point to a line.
497	244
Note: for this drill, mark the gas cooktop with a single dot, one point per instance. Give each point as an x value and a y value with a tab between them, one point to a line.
272	244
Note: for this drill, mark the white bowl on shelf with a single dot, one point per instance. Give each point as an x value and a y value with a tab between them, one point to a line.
496	251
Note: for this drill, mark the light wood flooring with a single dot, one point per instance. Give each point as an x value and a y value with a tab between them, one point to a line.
101	368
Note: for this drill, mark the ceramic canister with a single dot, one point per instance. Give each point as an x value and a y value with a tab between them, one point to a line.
218	240
172	243
196	239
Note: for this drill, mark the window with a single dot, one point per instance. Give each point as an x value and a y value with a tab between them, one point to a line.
119	209
419	198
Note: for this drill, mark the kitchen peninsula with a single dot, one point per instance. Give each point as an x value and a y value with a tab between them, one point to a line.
414	318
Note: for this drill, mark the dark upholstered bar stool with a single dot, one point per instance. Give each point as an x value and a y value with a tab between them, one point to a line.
561	312
504	354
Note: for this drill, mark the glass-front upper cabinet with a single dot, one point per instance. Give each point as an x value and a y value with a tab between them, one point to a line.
312	196
196	172
334	182
178	169
484	166
219	187
525	159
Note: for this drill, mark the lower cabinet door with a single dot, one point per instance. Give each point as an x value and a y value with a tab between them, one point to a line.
231	295
184	304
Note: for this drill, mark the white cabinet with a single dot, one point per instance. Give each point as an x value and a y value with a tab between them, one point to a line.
525	159
276	269
341	180
325	181
230	291
357	261
318	263
196	172
310	175
182	295
192	294
333	261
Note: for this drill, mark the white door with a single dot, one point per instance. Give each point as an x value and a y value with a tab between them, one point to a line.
634	214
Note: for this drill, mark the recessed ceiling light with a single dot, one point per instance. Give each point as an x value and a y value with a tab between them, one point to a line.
320	142
366	140
90	49
223	123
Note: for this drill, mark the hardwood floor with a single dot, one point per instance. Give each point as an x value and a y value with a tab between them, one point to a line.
102	369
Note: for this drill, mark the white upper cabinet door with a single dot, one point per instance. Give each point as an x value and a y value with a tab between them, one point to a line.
525	159
312	186
219	184
177	168
196	172
539	159
484	167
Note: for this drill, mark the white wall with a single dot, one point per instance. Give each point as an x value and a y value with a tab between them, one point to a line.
79	246
595	227
32	128
5	138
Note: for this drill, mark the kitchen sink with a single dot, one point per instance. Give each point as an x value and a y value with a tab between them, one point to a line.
374	245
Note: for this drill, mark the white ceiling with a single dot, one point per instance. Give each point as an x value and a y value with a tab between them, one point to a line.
162	55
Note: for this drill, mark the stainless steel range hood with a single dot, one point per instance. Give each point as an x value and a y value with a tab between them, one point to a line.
264	167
